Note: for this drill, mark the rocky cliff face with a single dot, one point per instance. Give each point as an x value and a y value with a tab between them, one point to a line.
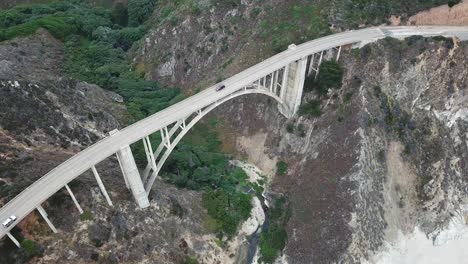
386	156
191	48
45	119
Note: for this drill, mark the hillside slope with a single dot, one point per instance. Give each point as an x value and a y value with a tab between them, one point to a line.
385	157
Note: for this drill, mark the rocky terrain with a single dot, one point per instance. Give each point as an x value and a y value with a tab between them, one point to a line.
386	155
45	118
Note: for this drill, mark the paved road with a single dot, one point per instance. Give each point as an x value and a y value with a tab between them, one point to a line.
53	181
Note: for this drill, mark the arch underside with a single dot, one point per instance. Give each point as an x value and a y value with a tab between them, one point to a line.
171	137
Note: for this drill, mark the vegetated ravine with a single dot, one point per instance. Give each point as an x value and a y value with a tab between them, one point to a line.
70	72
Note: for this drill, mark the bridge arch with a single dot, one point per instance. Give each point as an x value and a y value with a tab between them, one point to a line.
181	128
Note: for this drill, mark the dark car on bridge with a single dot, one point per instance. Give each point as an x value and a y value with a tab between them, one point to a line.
220	87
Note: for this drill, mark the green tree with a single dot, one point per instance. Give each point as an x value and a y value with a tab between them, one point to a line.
228	208
311	109
451	3
273	239
139	11
120	14
30	248
330	75
281	167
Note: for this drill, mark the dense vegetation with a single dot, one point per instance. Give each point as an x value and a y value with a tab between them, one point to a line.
30	248
273	239
199	165
330	77
96	41
310	109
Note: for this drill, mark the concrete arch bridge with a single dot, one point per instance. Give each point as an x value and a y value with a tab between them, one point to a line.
280	77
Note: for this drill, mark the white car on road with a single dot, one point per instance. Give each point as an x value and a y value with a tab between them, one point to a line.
9	221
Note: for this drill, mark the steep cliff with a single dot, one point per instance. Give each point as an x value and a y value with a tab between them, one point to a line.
44	119
386	156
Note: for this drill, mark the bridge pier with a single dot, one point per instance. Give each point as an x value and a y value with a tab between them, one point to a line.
293	84
44	215
74	198
101	185
130	172
13	239
123	172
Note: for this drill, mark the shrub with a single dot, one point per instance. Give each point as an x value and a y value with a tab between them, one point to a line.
281	168
301	131
11	18
30	248
139	11
87	20
127	36
229	209
273	239
330	75
59	27
120	14
191	260
290	128
310	109
86	215
195	9
451	3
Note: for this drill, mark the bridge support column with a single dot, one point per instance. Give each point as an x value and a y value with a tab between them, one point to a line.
123	171
339	52
130	171
293	83
74	198
101	185
44	215
13	239
284	82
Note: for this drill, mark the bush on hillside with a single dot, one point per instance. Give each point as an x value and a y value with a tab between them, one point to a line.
139	11
273	239
330	75
120	14
451	3
310	109
281	167
59	27
30	248
229	209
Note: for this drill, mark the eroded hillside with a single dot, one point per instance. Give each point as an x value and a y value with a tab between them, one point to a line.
385	156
